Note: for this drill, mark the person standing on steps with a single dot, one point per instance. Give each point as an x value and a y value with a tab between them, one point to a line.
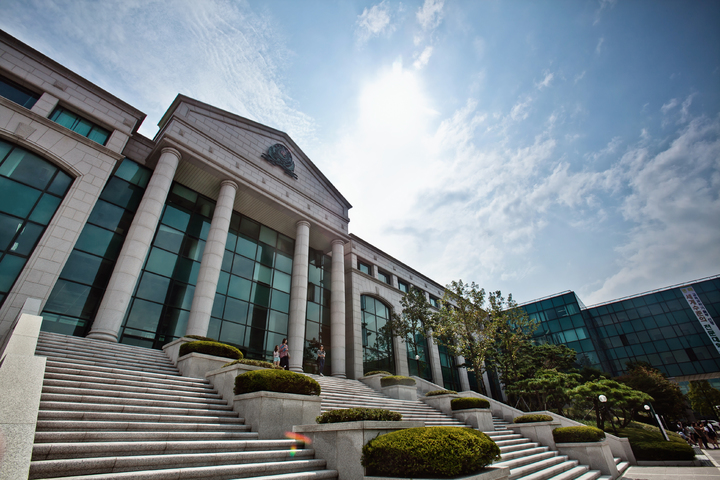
321	360
284	354
276	356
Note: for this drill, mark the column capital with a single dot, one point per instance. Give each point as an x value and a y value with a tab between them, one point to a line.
229	183
303	223
173	151
338	241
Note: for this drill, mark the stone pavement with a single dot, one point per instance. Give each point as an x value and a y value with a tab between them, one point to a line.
679	473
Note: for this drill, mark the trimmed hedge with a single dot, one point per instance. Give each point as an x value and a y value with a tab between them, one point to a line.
440	392
200	337
377	372
464	403
429	452
358	414
397	380
282	381
532	418
255	363
577	434
662	450
215	349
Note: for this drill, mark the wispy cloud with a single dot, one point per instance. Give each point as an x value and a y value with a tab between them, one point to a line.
580	76
545	82
598	47
429	17
374	22
604	6
423	59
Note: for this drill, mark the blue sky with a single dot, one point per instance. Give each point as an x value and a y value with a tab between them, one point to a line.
531	147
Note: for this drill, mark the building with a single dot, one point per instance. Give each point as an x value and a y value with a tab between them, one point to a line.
219	226
673	329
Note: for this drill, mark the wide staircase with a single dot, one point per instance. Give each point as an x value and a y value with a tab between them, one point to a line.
114	411
526	460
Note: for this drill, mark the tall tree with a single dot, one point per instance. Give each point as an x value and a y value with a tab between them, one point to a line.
704	399
622	401
412	323
547	389
669	400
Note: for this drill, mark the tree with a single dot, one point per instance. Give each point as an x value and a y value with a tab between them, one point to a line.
546	390
704	399
412	323
669	400
622	401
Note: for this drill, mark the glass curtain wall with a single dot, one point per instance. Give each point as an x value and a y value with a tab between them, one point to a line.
417	355
76	296
252	300
317	325
378	350
450	375
31	190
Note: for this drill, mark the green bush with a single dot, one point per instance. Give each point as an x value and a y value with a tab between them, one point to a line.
200	337
282	381
577	434
216	349
662	450
532	418
463	403
377	372
437	452
358	414
440	392
397	380
255	363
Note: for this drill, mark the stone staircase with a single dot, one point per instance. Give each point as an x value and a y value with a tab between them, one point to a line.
526	460
114	411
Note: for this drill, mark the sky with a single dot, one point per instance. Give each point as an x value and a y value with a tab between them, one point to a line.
531	147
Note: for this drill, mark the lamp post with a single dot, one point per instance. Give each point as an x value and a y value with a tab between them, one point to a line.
600	415
649	408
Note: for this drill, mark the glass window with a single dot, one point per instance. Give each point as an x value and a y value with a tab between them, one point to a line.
80	125
403	286
384	277
17	93
364	267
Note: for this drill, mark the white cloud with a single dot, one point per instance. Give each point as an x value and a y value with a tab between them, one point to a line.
598	48
423	58
519	111
669	106
546	81
430	14
604	5
374	22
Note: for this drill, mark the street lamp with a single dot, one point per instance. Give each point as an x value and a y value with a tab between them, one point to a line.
648	407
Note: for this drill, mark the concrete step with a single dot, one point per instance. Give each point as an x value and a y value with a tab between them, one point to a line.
547	472
92	425
56	451
576	472
93	416
84	359
134	409
68	368
122	395
505	456
105	350
135	389
178	403
526	460
125	381
139	436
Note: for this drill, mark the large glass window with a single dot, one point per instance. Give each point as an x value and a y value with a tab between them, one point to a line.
31	190
80	125
76	296
417	354
364	267
450	375
384	277
17	93
378	350
403	286
317	325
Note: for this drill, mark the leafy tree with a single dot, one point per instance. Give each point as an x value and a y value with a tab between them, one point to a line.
704	398
589	374
547	390
412	322
669	400
622	401
550	356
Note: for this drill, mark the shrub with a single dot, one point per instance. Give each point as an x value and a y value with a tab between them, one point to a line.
255	363
397	380
577	434
358	414
440	392
532	418
216	349
438	452
282	381
200	337
463	403
377	372
662	450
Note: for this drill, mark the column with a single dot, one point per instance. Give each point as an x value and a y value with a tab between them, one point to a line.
337	309
463	374
298	296
434	359
212	261
135	249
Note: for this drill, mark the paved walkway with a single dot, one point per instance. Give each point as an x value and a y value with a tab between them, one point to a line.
679	473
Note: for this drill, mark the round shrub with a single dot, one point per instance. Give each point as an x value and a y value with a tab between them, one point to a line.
464	403
358	414
200	337
282	381
577	434
397	380
532	418
432	393
215	349
255	363
377	372
662	450
437	452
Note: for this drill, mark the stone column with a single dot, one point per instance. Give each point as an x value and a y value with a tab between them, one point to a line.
135	249
298	296
337	309
434	359
212	261
463	374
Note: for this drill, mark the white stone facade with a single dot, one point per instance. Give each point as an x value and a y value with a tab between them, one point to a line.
208	151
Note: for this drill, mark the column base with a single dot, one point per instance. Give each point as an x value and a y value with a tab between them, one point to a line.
297	369
108	337
339	375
